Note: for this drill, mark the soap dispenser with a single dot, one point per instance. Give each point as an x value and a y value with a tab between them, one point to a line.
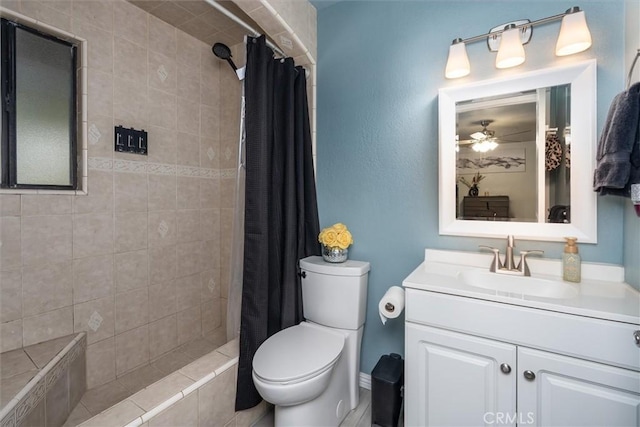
571	263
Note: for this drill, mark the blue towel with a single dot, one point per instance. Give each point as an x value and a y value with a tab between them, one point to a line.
618	155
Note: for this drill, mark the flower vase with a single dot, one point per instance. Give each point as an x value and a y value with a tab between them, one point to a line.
334	254
474	190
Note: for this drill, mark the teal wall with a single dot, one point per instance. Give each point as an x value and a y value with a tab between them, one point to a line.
380	64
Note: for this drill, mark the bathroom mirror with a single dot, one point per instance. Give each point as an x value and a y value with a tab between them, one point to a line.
517	155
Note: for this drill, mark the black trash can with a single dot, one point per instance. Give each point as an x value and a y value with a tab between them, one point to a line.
387	379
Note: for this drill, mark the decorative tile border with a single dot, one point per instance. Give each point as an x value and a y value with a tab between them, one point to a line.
32	394
130	166
31	400
190	171
9	420
100	163
161	169
227	173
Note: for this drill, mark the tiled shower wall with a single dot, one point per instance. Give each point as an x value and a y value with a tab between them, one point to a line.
141	263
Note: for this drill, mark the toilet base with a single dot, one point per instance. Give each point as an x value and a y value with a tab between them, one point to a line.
341	395
327	410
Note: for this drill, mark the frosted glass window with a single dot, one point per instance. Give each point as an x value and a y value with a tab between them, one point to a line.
39	150
44	86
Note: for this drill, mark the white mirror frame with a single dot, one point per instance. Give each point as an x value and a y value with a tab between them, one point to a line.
582	77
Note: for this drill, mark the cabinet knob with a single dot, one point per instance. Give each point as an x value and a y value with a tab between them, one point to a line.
505	368
529	375
636	337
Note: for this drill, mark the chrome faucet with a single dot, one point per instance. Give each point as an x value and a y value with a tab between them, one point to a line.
509	266
508	258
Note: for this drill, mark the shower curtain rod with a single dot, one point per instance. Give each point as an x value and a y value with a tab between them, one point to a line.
233	17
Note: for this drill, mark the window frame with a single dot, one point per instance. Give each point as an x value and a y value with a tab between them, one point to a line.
8	142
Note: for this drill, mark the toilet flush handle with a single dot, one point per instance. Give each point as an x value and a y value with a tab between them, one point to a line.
303	274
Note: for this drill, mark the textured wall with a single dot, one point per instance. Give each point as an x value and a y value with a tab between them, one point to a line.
380	65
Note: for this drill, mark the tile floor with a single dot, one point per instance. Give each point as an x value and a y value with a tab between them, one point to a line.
102	397
361	416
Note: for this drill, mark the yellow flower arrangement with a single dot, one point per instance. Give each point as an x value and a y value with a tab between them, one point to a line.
336	236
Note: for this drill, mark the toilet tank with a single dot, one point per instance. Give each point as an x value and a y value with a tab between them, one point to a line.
334	295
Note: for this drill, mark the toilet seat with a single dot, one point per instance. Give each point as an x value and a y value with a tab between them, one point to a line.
297	354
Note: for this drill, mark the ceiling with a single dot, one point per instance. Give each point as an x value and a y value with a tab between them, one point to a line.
201	20
511	123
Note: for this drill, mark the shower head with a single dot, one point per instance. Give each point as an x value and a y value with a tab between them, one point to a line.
222	51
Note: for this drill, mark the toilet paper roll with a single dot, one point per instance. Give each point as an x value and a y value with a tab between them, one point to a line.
391	304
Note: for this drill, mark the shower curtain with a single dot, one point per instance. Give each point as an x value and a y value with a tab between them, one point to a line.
281	215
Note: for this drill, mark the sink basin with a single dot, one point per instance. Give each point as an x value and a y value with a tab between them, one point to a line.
531	286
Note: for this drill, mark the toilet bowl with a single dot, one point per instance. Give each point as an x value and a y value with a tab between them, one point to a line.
310	371
296	365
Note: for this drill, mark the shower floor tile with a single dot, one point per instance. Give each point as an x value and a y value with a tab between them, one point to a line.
171	362
77	416
102	397
197	348
218	337
138	379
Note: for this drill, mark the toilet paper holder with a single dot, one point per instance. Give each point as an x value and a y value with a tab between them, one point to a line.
391	304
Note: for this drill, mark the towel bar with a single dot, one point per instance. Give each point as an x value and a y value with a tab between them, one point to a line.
633	64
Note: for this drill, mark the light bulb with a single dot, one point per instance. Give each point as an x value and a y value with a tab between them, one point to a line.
458	61
510	52
484	146
574	34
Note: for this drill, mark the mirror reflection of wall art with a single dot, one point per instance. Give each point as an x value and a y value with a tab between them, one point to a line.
499	160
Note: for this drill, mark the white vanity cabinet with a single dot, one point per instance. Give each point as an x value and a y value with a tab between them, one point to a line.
566	391
472	362
455	379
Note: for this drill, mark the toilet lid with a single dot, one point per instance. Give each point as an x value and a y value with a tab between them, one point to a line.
296	353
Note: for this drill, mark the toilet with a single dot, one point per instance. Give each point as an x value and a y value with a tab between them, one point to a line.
310	371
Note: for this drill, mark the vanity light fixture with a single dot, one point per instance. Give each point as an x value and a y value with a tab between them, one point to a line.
508	40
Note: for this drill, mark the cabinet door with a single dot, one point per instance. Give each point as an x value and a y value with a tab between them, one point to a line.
453	379
564	391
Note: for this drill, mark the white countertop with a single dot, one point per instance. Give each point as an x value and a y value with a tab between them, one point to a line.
602	293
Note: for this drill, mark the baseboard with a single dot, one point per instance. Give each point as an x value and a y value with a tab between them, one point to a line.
365	380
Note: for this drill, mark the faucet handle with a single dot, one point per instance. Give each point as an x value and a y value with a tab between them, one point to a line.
522	265
495	264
